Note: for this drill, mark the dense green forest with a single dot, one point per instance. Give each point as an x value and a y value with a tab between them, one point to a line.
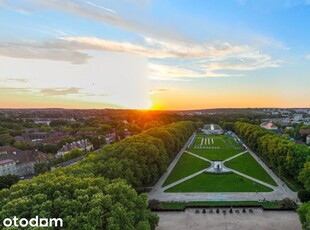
97	192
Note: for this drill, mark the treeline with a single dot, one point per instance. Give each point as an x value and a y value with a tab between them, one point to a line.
142	159
94	193
284	156
289	160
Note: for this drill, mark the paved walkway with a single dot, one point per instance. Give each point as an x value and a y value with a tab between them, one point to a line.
224	167
239	154
200	157
279	192
255	180
183	179
157	188
271	173
258	220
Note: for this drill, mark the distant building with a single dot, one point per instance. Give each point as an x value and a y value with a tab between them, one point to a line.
285	113
301	110
34	135
308	139
18	138
297	117
212	129
30	135
304	131
71	119
80	145
127	133
125	122
7	167
43	121
16	161
111	137
269	126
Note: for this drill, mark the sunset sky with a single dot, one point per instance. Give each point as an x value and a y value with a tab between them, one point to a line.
157	54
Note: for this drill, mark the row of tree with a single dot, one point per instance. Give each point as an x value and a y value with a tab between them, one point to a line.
287	159
284	156
96	192
143	158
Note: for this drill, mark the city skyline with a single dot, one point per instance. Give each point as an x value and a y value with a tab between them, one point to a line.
170	55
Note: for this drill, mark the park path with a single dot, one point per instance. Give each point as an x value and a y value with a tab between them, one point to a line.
158	185
183	179
279	182
230	158
200	157
280	192
201	171
254	179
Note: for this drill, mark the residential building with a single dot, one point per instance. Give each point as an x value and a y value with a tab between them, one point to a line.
31	135
269	126
127	133
7	166
18	138
19	162
43	121
285	113
297	118
83	145
34	135
304	131
111	137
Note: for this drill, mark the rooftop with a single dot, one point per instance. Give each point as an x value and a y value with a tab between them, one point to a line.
7	161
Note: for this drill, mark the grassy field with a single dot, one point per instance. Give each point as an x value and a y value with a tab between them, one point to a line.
186	166
207	182
177	205
227	147
248	165
232	143
216	154
217	141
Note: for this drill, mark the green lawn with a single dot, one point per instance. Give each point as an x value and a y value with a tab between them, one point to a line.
177	205
207	182
216	154
186	166
233	143
217	140
248	165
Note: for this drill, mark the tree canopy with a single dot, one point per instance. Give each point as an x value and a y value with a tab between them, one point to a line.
97	192
288	159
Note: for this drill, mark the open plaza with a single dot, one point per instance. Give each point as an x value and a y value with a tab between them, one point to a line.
255	220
